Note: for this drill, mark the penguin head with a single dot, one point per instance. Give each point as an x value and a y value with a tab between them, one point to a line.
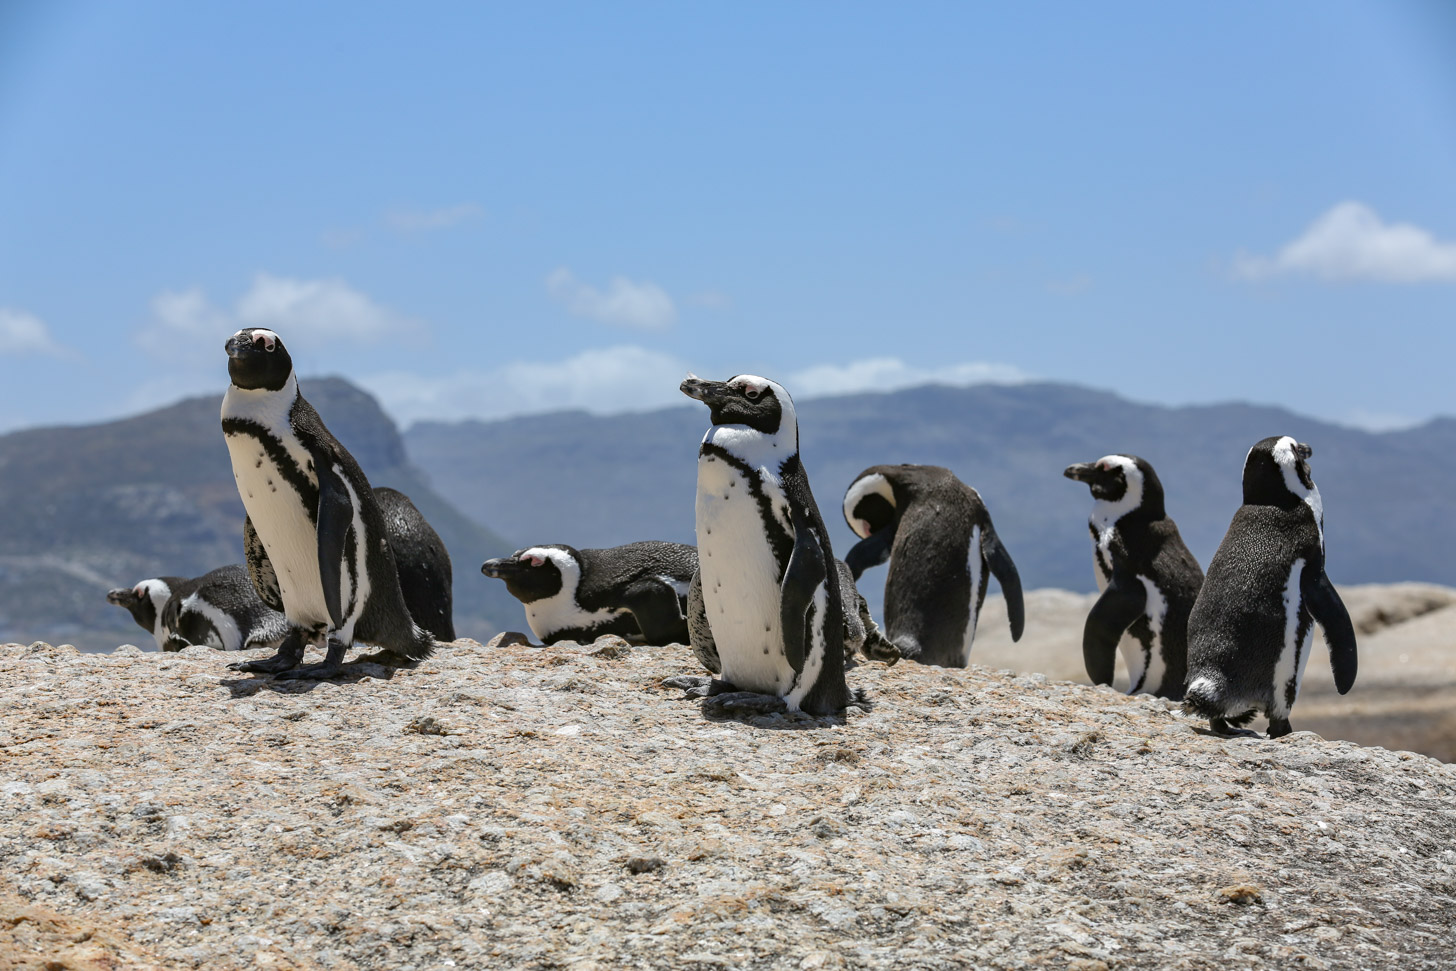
536	573
869	503
145	601
1124	481
1276	473
257	360
745	399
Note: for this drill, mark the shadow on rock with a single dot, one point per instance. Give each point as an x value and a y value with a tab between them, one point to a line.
367	667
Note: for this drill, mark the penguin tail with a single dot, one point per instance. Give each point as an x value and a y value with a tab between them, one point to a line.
860	698
420	645
1204	698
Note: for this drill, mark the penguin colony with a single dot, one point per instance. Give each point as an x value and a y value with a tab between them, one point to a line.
761	599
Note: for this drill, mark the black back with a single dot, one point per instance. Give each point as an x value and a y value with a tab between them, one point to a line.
423	563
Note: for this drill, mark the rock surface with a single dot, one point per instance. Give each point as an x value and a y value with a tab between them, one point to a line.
557	808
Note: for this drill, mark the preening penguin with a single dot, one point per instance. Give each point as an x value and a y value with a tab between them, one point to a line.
1146	574
766	602
639	590
316	543
1250	630
935	531
219	609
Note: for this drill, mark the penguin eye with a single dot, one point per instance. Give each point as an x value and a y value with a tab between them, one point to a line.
751	393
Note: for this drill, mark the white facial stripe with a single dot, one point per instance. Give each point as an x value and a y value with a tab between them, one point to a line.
874	484
752	446
570	569
1106	514
1288	460
751	382
158	593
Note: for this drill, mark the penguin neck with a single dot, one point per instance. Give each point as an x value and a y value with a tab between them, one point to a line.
269	408
753	447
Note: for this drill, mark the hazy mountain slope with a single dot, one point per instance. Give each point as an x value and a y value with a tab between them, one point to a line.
594	481
92	507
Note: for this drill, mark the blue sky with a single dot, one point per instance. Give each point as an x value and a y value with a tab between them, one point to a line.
486	209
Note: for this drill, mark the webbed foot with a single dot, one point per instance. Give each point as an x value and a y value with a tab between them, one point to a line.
733	702
331	666
282	661
1222	727
1279	727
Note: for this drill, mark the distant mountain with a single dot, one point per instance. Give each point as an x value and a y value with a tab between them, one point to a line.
1390	499
87	508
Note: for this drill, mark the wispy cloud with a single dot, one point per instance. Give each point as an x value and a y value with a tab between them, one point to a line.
891	373
629	378
1351	242
626	303
25	333
408	220
186	326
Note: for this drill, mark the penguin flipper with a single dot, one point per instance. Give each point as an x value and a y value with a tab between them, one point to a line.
1120	604
654	606
871	551
1327	607
1005	573
260	568
700	634
335	516
805	572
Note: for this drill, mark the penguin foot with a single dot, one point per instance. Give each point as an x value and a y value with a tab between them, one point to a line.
282	661
698	686
732	702
1279	727
685	681
322	671
1222	727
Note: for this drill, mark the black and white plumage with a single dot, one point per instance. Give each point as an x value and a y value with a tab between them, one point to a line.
219	609
1147	577
937	535
426	578
766	604
1250	630
315	538
637	591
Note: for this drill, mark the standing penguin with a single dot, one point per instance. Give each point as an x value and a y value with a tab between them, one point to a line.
1250	630
765	607
935	531
219	609
639	590
315	538
1146	574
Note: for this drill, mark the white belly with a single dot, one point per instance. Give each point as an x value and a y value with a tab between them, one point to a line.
284	526
741	578
1152	669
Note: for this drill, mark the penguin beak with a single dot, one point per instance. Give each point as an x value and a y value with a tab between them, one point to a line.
1303	450
704	391
1082	471
499	567
238	345
119	597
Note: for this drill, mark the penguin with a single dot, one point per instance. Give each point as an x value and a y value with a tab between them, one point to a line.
425	576
765	608
314	537
146	601
862	636
637	591
1147	578
1251	626
219	609
935	531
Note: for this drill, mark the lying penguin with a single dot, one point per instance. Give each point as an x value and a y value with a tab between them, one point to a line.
1251	626
1146	574
636	591
937	535
219	609
315	536
766	605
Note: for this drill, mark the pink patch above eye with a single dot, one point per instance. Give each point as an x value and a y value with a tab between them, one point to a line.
139	590
864	527
535	560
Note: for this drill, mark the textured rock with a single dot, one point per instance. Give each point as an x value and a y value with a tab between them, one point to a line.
529	807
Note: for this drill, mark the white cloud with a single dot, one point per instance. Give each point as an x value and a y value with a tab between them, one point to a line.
629	378
1350	242
630	304
426	220
186	326
24	333
609	380
891	373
